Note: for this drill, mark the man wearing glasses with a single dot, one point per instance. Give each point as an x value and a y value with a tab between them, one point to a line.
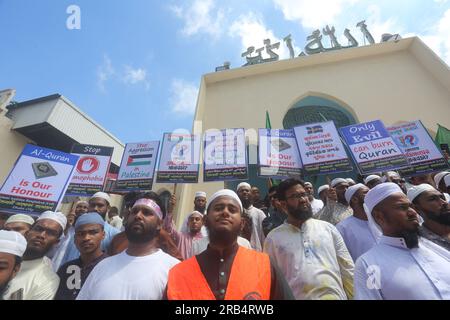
311	253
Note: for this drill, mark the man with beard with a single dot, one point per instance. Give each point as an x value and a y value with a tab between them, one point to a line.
440	183
225	270
337	208
311	253
141	271
435	211
12	247
256	215
20	223
89	234
355	229
199	206
36	278
256	198
316	204
372	181
402	265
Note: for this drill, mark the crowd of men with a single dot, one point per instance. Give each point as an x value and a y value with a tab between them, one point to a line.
383	238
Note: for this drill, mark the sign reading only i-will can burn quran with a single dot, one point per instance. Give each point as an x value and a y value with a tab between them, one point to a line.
138	166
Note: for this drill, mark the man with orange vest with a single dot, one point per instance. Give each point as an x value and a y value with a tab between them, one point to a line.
225	270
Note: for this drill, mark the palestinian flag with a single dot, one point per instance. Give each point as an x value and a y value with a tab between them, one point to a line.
140	160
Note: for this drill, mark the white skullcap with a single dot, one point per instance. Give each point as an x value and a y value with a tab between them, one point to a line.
390	174
447	180
370	178
195	212
12	242
102	195
438	177
200	194
228	193
55	216
350	180
352	190
415	191
309	184
323	188
337	181
23	218
243	184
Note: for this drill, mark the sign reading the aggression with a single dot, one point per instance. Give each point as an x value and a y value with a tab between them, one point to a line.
278	155
372	148
38	181
415	142
225	155
91	170
138	166
180	158
321	149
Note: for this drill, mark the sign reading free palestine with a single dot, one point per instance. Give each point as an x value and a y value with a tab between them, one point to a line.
38	181
138	166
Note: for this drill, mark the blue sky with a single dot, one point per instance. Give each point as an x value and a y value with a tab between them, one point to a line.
135	66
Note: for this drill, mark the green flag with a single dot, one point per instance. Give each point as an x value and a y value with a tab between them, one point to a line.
268	125
442	136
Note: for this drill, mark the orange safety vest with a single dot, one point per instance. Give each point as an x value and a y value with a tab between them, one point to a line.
249	279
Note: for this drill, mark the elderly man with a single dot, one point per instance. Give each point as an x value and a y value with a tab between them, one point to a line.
337	208
12	247
401	265
36	279
199	206
372	181
435	211
311	253
355	229
141	271
89	233
316	204
256	216
20	223
225	270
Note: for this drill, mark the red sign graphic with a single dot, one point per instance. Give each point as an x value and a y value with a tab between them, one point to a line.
87	165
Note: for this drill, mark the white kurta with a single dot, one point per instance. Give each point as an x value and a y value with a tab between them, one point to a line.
124	277
257	238
313	259
316	205
357	236
37	280
201	244
392	271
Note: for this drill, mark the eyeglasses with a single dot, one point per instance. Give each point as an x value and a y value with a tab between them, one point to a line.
298	196
50	232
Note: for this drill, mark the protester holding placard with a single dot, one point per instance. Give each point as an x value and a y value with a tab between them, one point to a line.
337	208
316	204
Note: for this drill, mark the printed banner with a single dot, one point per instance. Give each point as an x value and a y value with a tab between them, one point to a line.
321	150
138	166
225	155
419	148
180	158
38	181
278	155
372	148
91	170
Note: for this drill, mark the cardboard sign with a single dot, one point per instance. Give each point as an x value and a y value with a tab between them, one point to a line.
372	147
321	149
38	181
225	155
180	159
415	142
278	155
137	166
91	170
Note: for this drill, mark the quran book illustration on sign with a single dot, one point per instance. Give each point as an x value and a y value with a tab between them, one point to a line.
280	145
43	170
140	160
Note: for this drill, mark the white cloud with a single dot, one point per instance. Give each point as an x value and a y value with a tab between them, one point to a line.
183	97
200	16
135	76
104	72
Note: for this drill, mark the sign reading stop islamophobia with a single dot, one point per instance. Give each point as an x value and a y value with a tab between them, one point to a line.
91	169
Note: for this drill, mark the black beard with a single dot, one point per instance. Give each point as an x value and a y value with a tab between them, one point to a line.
5	287
441	218
246	203
223	237
411	238
300	214
137	237
33	253
200	209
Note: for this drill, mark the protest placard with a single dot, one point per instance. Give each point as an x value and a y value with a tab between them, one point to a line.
180	158
278	155
321	150
225	155
372	147
38	181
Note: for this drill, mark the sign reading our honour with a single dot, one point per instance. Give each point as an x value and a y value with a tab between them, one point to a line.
138	166
180	158
321	149
38	181
415	142
225	155
372	148
91	169
278	155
